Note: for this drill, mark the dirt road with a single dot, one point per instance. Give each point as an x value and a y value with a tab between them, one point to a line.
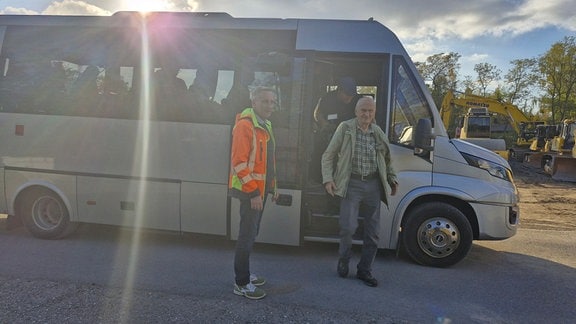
545	204
547	228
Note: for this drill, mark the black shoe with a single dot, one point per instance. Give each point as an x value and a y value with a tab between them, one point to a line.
367	278
342	268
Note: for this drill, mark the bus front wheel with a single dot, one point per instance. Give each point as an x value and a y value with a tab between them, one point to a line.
436	234
44	214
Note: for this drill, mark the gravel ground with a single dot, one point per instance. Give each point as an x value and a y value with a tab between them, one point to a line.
58	302
548	222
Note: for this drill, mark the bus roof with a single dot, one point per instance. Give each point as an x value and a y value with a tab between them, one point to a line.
353	36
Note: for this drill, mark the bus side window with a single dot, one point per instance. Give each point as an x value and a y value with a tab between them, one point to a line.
50	92
169	93
29	87
5	95
84	91
116	95
201	94
409	104
238	97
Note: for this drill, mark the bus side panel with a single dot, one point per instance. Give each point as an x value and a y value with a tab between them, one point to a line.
64	185
175	151
279	225
189	152
126	202
413	172
3	204
204	208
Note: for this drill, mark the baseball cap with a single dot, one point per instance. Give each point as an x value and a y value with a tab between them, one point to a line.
347	85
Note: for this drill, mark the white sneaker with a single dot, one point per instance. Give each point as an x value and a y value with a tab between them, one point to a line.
257	281
249	291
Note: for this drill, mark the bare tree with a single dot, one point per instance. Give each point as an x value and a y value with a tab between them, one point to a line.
487	73
470	86
520	80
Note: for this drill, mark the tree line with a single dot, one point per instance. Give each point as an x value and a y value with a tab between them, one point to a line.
543	87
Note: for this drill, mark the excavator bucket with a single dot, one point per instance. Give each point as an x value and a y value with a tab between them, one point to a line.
533	159
562	168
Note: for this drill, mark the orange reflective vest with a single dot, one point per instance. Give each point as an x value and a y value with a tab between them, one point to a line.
250	143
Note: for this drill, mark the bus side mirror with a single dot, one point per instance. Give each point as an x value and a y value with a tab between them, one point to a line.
423	138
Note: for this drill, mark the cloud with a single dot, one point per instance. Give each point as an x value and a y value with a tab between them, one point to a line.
422	48
185	5
158	5
410	19
74	7
475	58
472	28
421	24
444	19
561	12
17	11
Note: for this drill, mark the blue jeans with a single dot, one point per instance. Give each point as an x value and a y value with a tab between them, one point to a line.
362	200
249	227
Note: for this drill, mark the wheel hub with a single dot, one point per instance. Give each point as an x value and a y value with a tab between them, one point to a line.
47	213
438	237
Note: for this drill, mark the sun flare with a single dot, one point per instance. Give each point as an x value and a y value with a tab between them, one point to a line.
146	5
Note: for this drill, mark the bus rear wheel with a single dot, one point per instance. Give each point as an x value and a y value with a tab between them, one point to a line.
44	214
436	234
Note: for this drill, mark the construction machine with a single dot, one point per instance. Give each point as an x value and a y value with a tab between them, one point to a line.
480	110
543	137
561	165
556	153
476	128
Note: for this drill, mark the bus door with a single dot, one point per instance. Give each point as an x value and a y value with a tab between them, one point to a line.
320	211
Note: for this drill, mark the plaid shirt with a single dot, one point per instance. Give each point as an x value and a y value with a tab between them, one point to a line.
364	155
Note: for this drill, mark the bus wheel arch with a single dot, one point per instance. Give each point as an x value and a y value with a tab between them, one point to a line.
43	213
437	233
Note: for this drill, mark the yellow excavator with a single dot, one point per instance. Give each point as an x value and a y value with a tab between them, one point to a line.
478	117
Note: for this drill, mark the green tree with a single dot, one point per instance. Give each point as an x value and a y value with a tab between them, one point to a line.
558	79
440	72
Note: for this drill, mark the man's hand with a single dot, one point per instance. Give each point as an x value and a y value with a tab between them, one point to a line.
330	187
394	188
256	203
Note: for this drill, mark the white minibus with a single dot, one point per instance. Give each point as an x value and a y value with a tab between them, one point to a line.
126	120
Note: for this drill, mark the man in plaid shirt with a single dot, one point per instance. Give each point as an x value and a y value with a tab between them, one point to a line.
363	172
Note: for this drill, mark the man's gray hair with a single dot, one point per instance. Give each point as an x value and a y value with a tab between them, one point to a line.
255	93
363	99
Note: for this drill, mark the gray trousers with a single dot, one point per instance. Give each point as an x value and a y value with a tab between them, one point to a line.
362	200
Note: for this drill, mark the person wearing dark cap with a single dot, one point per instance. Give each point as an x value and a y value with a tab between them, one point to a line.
338	105
334	107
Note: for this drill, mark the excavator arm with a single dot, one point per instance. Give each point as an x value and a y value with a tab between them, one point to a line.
446	108
512	112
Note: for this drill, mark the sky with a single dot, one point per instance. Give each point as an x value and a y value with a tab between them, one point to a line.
481	31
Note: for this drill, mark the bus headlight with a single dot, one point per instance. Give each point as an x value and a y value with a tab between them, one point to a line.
494	169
